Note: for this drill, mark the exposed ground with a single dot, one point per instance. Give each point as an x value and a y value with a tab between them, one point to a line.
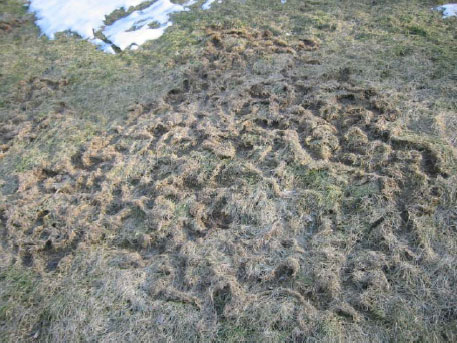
267	172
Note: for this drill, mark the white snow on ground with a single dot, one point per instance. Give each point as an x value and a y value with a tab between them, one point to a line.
79	16
449	10
85	17
135	29
208	3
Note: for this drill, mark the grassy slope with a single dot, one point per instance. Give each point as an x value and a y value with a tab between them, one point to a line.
152	195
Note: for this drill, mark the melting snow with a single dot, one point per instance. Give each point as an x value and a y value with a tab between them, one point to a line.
85	17
135	29
208	3
449	10
79	16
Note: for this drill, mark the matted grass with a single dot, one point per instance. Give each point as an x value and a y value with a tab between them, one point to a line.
261	172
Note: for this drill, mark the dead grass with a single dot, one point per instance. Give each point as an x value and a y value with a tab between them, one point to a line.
261	186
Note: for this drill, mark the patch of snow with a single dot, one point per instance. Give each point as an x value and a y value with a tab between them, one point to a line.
103	46
449	10
135	29
208	3
85	17
79	16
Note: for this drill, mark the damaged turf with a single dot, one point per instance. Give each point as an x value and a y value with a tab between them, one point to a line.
249	202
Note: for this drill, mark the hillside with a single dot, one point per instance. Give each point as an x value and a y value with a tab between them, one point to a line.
261	172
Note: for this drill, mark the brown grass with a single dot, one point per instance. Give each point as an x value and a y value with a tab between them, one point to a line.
262	195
